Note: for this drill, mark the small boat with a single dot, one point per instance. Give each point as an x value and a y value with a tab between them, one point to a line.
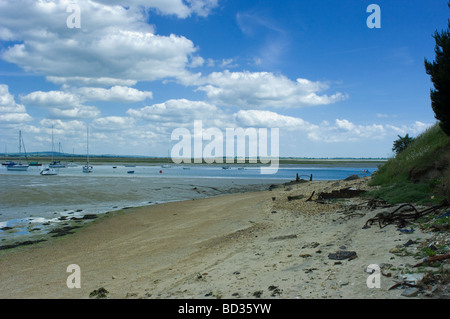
226	167
57	164
130	172
34	164
168	161
19	166
88	168
6	163
49	171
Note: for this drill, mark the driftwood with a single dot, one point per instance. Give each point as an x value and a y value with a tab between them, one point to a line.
399	284
400	218
297	197
433	259
342	193
310	197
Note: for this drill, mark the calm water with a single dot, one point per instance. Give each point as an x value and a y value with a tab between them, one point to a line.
27	199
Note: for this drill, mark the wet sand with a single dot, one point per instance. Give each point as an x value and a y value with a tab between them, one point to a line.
249	245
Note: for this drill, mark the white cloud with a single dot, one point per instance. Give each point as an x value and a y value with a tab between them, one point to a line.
77	112
340	131
268	119
63	104
264	89
116	94
179	113
86	81
114	45
52	99
74	127
196	61
113	123
10	111
179	8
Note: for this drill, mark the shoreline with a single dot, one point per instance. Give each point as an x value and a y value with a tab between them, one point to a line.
266	244
36	228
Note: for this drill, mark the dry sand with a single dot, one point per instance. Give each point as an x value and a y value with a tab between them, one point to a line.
246	245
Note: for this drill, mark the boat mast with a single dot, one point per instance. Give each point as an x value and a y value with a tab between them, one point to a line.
52	144
87	145
20	142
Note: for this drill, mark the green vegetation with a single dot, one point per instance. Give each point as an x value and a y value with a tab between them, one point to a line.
418	174
439	71
406	192
402	143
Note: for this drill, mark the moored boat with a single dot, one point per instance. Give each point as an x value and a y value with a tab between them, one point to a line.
19	166
34	164
57	164
88	168
49	171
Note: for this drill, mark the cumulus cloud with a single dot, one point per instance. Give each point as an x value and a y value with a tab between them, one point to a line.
10	111
341	130
113	123
113	45
52	99
254	118
70	104
180	112
61	104
115	94
265	89
179	8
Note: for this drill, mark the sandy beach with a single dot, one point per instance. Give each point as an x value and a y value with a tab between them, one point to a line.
266	244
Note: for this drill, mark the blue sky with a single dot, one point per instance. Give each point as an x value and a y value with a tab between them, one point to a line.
136	70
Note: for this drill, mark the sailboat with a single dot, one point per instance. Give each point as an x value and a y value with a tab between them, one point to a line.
87	168
5	163
56	164
50	170
19	166
72	164
168	161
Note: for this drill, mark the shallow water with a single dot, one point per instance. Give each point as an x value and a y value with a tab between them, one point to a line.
29	201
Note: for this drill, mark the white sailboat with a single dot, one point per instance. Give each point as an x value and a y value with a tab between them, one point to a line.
87	168
72	164
56	164
19	166
48	171
168	161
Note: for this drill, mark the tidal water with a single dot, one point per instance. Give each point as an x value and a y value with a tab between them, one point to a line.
29	200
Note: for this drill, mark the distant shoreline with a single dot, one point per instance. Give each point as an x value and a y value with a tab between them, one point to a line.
149	160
